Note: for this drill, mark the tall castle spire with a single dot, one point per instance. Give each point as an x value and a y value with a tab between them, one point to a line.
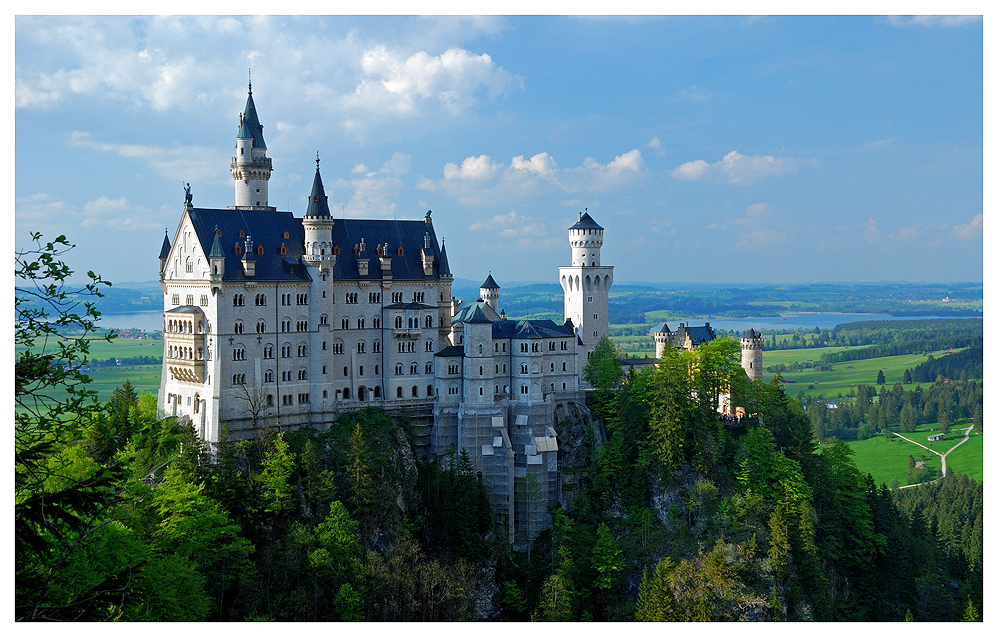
251	168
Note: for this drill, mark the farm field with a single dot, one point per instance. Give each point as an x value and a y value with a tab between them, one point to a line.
887	460
844	376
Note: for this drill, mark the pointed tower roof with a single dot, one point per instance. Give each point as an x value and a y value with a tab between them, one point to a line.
164	252
249	123
216	247
490	283
586	223
318	203
444	266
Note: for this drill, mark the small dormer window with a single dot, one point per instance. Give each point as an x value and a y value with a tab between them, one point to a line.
242	234
259	250
399	251
287	235
336	250
238	249
284	250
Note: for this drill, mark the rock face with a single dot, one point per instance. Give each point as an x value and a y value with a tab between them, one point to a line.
579	435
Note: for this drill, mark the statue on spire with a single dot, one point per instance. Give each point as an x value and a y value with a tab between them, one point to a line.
188	197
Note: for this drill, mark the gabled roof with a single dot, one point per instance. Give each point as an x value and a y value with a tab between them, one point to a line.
586	223
267	227
407	235
318	202
490	283
249	123
164	252
477	315
216	247
467	309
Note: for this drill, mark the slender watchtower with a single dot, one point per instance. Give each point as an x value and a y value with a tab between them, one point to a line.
318	225
251	167
752	345
490	292
587	285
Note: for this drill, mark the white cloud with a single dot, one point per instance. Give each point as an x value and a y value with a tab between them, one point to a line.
541	164
395	84
656	145
757	209
479	180
761	237
933	20
472	168
871	233
970	230
736	168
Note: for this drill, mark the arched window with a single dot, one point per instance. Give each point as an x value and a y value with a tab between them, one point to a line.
346	393
429	346
413	368
429	390
398	322
428	322
360	323
398	392
377	392
261	327
429	368
415	390
398	369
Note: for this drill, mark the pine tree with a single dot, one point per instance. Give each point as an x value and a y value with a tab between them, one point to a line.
881	379
278	465
362	496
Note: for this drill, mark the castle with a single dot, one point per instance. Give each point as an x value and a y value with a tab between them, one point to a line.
275	321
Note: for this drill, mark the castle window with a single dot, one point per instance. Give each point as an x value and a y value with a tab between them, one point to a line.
345	324
302	374
481	370
238	300
238	327
429	346
238	249
413	369
377	347
323	319
239	354
396	297
374	297
523	368
239	379
338	347
429	368
415	390
284	249
270	400
429	390
268	351
268	376
399	251
398	322
376	321
259	249
286	350
242	234
336	250
360	323
361	347
377	391
429	321
302	326
324	371
346	372
189	300
563	367
302	351
189	266
350	297
287	235
398	392
204	300
360	371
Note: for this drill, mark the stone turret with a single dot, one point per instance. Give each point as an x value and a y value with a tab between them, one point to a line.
752	346
164	255
662	338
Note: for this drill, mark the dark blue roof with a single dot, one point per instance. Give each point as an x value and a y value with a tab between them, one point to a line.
410	306
164	252
544	328
586	223
490	283
249	123
318	202
444	266
697	335
347	234
451	350
267	227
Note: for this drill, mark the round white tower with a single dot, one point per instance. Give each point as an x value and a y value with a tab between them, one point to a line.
251	167
752	345
587	285
661	340
490	293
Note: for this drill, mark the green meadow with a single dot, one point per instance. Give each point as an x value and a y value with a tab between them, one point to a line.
843	376
887	458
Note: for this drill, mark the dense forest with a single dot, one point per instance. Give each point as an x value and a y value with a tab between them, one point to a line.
677	514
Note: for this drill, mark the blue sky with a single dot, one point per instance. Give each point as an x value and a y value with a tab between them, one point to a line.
712	149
